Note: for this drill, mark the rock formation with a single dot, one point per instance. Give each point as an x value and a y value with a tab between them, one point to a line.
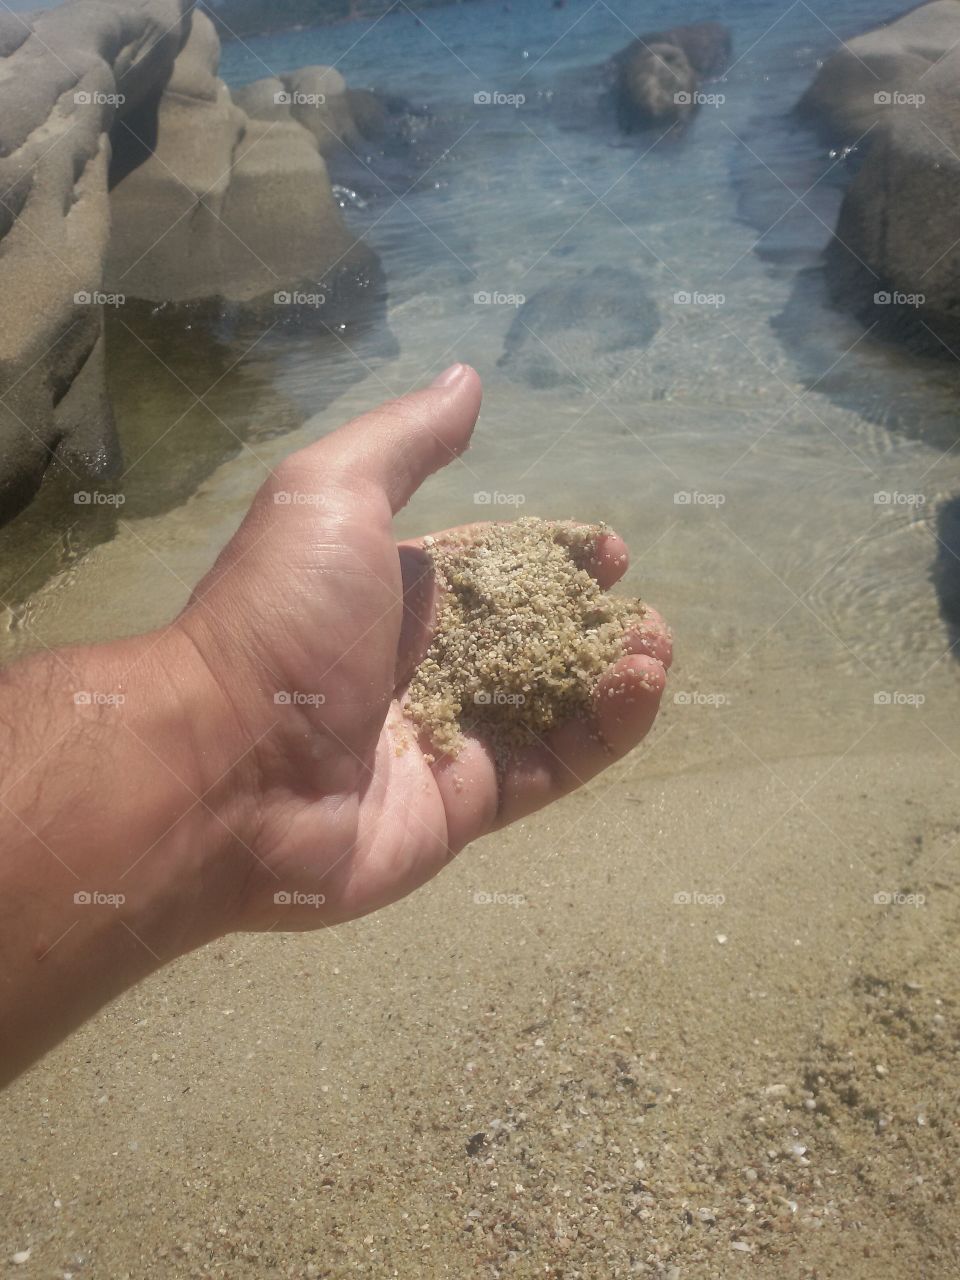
895	258
584	331
658	75
128	172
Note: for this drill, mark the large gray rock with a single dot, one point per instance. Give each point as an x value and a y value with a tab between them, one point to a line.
129	173
877	77
226	206
895	258
585	331
68	77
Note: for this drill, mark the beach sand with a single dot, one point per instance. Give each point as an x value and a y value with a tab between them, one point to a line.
547	1063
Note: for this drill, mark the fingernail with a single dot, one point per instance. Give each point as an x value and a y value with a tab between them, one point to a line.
449	376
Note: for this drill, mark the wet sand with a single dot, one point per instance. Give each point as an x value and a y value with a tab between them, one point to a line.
547	1063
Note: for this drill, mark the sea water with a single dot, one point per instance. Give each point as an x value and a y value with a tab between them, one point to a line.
779	474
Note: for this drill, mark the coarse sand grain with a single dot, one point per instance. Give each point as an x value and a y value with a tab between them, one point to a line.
523	634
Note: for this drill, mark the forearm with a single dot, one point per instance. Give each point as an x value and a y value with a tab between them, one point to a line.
114	824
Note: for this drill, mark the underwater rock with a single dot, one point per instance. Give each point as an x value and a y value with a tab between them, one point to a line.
586	331
657	76
655	86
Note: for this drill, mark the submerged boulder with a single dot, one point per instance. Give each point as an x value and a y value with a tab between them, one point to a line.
585	331
707	46
655	86
656	77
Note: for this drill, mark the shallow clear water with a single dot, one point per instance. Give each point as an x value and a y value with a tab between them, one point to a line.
742	453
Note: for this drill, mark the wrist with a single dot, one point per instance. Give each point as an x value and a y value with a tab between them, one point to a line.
204	785
131	790
122	820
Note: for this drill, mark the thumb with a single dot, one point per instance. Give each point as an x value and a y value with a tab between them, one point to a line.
402	442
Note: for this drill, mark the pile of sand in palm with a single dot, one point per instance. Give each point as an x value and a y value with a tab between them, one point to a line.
523	634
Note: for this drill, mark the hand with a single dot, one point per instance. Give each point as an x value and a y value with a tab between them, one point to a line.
310	623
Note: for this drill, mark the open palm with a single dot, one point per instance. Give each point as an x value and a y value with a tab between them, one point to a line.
312	621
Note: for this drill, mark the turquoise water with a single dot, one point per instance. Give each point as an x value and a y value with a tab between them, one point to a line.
796	591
